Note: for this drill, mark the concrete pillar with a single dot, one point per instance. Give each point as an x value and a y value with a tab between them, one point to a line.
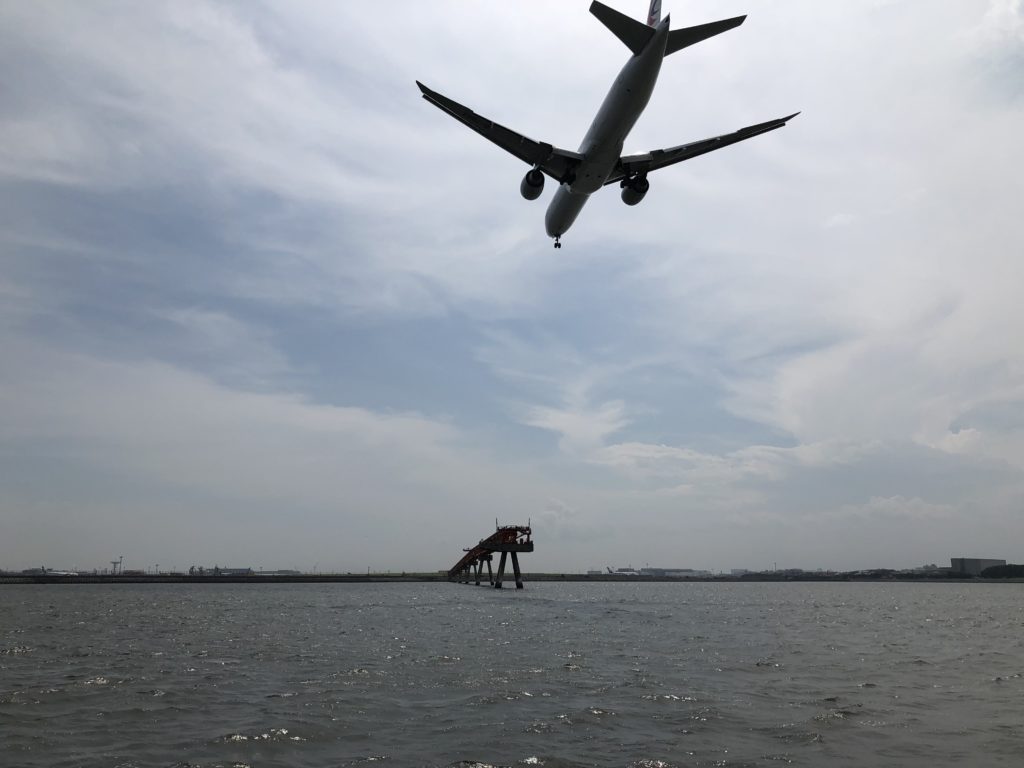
515	570
501	570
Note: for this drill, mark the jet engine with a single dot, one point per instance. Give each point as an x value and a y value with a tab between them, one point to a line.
532	184
634	189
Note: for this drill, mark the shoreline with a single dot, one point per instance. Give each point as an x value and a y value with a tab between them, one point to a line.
388	578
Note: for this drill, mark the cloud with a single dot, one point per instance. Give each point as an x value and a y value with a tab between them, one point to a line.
179	427
228	346
564	525
143	87
581	429
1003	23
897	506
249	278
144	443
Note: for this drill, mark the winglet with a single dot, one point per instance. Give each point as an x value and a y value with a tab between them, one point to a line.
439	101
771	125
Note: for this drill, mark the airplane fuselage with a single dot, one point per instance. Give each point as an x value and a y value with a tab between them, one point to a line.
601	147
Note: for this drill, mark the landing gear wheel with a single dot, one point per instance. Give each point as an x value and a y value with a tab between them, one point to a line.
558	243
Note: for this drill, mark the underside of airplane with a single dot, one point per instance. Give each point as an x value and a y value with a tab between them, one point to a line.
598	162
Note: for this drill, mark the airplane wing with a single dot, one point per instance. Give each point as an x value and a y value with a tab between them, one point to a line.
559	164
629	165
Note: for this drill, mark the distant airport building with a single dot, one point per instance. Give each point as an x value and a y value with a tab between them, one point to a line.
662	573
675	573
973	566
218	571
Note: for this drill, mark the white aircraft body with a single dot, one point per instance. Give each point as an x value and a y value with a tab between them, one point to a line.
599	161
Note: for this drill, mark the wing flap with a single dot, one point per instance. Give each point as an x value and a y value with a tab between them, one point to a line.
629	165
557	163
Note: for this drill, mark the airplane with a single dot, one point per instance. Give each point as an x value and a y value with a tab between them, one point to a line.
598	162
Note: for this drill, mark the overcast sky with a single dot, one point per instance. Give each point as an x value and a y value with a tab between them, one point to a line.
261	305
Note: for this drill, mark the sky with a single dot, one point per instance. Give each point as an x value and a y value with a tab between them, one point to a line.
261	305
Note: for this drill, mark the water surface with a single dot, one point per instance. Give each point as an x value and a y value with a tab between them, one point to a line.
701	674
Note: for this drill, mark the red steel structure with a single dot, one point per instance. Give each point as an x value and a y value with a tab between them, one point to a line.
507	539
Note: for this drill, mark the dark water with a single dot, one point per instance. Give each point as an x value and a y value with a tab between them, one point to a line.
556	675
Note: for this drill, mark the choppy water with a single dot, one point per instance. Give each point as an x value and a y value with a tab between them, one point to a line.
556	675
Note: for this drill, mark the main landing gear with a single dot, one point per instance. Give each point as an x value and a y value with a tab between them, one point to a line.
558	242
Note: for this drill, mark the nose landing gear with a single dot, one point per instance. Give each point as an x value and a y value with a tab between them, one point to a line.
558	241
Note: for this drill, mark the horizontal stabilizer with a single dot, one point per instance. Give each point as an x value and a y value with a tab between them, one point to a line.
635	34
683	38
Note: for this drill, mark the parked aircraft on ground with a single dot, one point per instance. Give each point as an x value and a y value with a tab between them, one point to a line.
598	161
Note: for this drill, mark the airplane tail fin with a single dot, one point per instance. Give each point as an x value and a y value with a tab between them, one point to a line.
635	34
683	38
654	14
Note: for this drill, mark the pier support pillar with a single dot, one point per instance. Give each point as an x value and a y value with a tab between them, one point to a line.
515	570
477	567
501	570
490	574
